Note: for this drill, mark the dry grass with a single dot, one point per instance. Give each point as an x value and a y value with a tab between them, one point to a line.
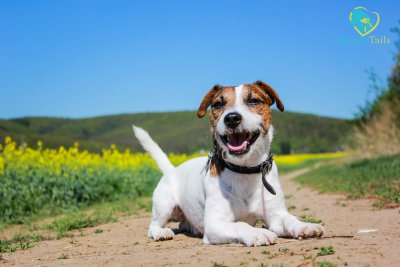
380	135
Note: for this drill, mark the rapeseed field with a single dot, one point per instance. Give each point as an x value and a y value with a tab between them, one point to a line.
37	179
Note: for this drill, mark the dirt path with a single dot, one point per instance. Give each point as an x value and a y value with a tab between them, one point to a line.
125	243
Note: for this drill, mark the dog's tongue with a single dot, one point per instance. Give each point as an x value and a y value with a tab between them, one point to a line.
237	148
237	142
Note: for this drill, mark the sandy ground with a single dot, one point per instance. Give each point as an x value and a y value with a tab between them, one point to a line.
125	243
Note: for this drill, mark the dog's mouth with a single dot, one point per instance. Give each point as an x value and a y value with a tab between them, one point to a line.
239	142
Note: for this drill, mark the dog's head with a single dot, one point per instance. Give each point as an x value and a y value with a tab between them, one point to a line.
241	119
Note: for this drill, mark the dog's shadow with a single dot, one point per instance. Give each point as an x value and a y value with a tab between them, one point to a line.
178	231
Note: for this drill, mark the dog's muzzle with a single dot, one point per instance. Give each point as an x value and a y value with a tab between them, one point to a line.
239	142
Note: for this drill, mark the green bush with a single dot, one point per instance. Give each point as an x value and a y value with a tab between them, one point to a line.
22	196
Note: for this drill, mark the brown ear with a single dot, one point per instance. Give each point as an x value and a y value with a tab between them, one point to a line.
272	94
201	112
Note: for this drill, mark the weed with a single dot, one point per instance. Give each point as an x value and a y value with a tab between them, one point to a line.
63	256
379	204
325	263
136	243
63	234
216	264
7	246
20	241
329	250
243	263
284	250
307	257
98	231
311	219
291	207
271	256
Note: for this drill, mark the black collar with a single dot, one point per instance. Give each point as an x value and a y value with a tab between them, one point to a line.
264	168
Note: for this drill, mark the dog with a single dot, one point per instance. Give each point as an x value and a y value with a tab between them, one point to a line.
221	197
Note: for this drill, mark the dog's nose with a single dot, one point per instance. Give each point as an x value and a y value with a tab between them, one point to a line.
233	119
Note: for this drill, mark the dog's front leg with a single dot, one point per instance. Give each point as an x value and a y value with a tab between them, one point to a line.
220	227
284	224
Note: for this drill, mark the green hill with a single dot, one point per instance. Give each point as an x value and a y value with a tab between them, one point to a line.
179	132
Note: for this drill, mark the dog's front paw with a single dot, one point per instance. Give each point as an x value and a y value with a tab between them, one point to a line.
306	230
161	234
259	237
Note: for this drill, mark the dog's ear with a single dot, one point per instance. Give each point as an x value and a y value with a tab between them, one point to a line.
201	112
272	94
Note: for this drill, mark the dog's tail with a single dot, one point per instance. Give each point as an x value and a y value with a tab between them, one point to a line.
154	150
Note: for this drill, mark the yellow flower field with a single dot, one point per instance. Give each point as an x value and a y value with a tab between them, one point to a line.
32	179
301	158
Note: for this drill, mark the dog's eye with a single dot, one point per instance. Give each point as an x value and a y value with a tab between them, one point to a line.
218	105
253	101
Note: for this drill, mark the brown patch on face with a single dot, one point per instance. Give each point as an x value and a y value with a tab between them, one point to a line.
258	101
219	98
271	93
202	110
223	100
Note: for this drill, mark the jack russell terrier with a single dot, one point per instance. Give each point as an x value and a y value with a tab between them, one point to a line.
222	196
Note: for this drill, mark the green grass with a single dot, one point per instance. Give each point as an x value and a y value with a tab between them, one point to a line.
20	242
219	264
62	234
378	178
324	263
74	220
63	256
62	226
286	168
311	219
291	207
98	231
323	251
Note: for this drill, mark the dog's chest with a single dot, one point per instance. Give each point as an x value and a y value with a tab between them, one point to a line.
244	195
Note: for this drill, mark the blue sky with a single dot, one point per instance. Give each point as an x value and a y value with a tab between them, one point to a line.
87	58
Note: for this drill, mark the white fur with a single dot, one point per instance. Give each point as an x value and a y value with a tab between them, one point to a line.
224	208
154	150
